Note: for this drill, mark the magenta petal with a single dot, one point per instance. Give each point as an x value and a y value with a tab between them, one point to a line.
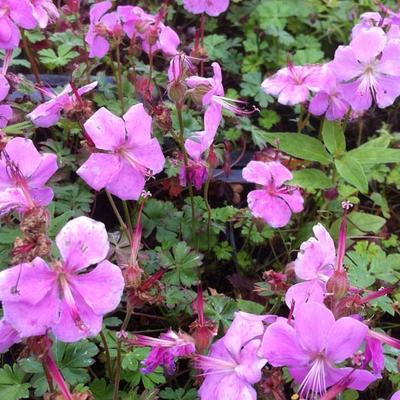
128	183
280	346
313	323
8	336
388	63
82	242
271	209
33	320
9	34
195	6
396	396
101	288
42	196
106	129
357	94
387	91
345	64
232	387
149	155
319	103
21	12
168	41
216	7
67	329
368	44
23	152
251	364
345	339
360	378
4	87
46	169
6	113
28	283
305	291
12	199
99	170
138	125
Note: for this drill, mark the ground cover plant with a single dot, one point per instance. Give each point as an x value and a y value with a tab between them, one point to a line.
199	200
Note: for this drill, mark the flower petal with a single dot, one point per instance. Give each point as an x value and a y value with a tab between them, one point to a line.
299	293
46	169
106	129
313	323
82	242
138	125
345	339
99	170
149	155
8	336
360	379
101	288
368	44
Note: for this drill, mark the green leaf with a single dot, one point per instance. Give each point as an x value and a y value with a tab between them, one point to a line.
100	389
311	179
183	264
12	386
178	394
375	155
64	56
299	145
250	306
333	136
352	172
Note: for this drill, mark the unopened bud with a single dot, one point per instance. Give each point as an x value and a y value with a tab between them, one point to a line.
338	284
177	92
331	193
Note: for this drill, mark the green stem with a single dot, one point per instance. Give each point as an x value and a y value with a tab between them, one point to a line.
127	216
117	376
186	163
119	79
107	351
118	215
206	188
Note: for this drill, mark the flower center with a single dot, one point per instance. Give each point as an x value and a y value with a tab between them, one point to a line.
315	380
146	172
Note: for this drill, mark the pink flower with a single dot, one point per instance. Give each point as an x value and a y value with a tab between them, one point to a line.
150	29
8	336
44	12
169	346
49	113
211	7
23	174
233	365
37	297
6	113
293	84
102	26
396	396
14	13
314	265
329	99
4	85
313	345
368	69
127	152
274	202
196	173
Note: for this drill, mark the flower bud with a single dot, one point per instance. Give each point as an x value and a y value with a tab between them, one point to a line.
331	193
177	91
338	284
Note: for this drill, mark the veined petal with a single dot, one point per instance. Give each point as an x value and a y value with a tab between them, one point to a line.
82	242
138	125
368	44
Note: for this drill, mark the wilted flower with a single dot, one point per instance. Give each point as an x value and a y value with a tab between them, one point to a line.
368	69
292	84
274	202
37	297
23	174
49	113
313	345
127	153
211	7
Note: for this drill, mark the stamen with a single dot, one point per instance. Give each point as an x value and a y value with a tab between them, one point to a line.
236	106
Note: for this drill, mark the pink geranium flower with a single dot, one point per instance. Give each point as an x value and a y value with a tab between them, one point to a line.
6	113
274	202
396	396
292	85
44	12
127	153
169	346
37	297
312	346
23	175
314	265
49	113
8	336
14	13
152	32
211	7
102	26
233	365
329	99
368	69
